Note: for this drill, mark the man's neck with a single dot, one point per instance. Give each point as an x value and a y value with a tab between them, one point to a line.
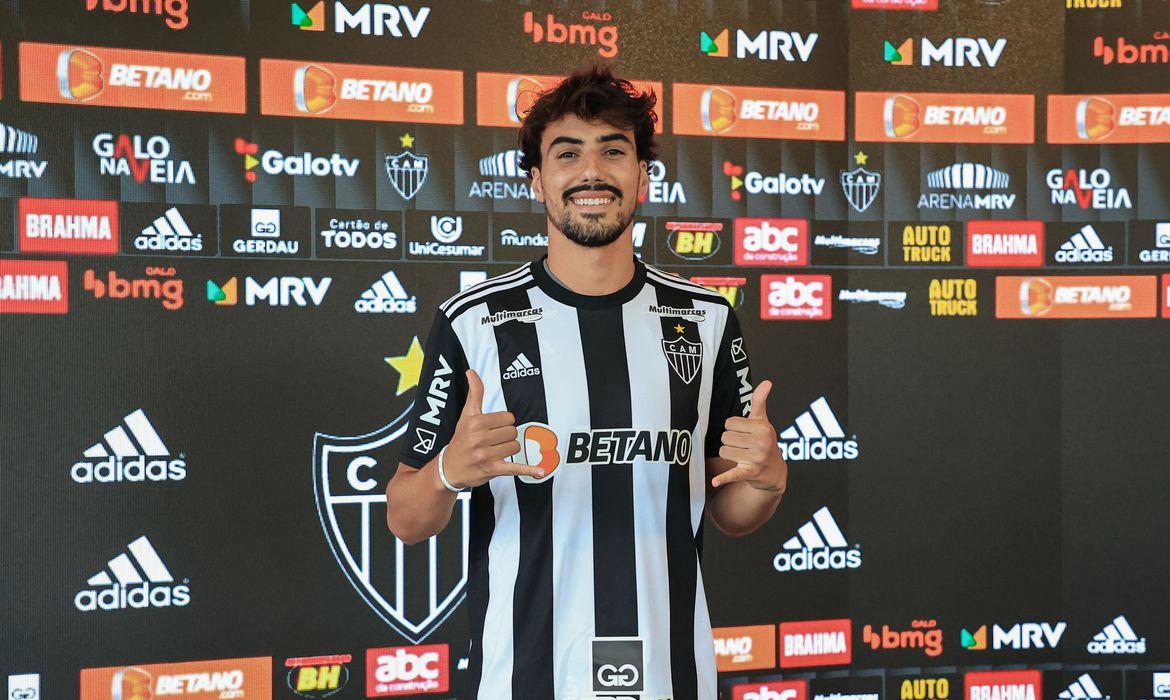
591	271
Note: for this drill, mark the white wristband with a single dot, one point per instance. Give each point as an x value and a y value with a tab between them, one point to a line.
443	476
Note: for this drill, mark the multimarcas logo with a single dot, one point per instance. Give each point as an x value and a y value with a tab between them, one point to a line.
238	679
135	578
745	648
131	451
819	545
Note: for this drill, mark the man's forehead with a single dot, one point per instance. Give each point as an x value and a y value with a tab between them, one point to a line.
574	127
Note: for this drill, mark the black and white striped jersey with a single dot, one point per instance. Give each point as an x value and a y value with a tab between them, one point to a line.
586	583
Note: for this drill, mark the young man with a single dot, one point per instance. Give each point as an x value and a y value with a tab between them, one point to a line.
596	408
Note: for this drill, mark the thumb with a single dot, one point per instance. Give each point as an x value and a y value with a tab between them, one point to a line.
760	400
473	406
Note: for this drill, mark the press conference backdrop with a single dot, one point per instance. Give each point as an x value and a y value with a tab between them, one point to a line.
225	226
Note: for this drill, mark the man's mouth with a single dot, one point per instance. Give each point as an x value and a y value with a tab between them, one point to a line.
592	200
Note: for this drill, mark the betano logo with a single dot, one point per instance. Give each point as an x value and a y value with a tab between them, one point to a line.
603	36
815	643
34	287
773	45
15	141
745	648
758	112
817	435
928	117
377	19
1115	118
1117	637
240	679
130	452
502	99
386	296
128	588
1108	296
819	545
952	52
175	10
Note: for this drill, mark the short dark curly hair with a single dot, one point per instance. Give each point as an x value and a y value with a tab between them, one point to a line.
591	92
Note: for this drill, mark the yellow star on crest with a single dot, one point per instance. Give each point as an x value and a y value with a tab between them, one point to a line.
406	140
409	366
679	328
861	158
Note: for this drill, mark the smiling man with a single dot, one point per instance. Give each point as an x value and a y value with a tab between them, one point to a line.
596	409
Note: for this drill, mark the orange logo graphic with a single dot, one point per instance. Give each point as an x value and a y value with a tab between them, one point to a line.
350	91
745	648
240	679
929	117
1109	118
1108	296
131	78
758	112
538	449
502	99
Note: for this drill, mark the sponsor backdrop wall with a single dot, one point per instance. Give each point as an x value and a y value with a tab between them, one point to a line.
224	227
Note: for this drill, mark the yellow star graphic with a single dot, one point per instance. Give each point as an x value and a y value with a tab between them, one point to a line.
679	328
406	140
861	158
409	367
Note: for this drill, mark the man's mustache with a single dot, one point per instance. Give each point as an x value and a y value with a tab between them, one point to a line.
591	188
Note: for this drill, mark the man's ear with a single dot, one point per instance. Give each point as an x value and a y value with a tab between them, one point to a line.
643	179
537	185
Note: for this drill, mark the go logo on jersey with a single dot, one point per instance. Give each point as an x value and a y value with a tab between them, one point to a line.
538	448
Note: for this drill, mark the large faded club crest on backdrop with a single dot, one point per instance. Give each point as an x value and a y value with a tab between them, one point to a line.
414	589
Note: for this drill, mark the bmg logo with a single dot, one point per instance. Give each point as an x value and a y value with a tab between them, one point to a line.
617	665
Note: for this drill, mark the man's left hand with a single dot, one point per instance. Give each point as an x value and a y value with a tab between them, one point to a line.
751	443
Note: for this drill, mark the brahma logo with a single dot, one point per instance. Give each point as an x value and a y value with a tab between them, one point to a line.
1116	296
127	588
1087	189
961	52
15	141
158	283
895	4
175	10
317	676
1117	118
1002	685
815	643
954	297
34	287
82	226
239	679
603	36
131	78
745	648
1126	53
368	93
771	242
923	634
928	117
772	690
407	670
693	240
1005	243
758	112
773	45
819	545
803	297
377	19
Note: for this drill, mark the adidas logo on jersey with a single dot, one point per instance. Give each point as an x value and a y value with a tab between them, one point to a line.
386	296
816	434
147	585
1117	638
1083	688
1084	246
169	232
521	367
819	545
132	451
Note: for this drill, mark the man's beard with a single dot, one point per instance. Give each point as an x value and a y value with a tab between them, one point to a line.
588	229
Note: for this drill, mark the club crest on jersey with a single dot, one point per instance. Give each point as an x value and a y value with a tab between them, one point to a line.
685	357
349	483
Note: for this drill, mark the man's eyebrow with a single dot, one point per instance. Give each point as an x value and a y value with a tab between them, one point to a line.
615	136
566	139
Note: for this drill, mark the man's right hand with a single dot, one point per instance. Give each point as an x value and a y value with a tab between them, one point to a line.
482	442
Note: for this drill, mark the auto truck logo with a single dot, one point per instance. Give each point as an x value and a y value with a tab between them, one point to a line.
345	471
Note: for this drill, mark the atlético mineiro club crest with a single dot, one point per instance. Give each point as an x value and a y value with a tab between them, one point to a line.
685	357
407	172
861	187
414	589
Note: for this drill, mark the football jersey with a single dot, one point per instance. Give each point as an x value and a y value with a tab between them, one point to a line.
586	582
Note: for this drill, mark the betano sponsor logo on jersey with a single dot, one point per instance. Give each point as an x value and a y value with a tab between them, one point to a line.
158	283
771	690
745	648
144	158
34	287
1107	296
18	142
1005	243
367	18
1086	189
765	45
1117	637
369	93
773	242
796	297
174	12
407	670
817	435
953	297
131	78
131	451
386	296
219	679
758	112
967	186
81	226
819	545
923	634
952	52
502	99
1002	685
599	32
932	117
815	643
317	676
140	580
1114	118
284	290
1022	635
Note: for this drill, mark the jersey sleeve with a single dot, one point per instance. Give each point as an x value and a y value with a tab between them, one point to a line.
438	400
731	387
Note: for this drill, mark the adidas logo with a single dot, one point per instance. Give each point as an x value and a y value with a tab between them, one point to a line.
386	296
816	434
132	451
169	232
521	367
147	585
1117	638
1085	246
1082	687
819	545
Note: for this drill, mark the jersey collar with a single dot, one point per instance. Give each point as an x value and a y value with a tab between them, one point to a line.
584	301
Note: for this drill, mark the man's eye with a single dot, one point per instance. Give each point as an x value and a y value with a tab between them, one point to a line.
615	151
567	154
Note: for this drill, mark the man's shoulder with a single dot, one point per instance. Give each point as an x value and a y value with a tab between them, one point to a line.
459	303
683	286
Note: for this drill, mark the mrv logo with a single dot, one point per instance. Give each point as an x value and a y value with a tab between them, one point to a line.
819	545
132	451
377	19
139	579
817	435
624	446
